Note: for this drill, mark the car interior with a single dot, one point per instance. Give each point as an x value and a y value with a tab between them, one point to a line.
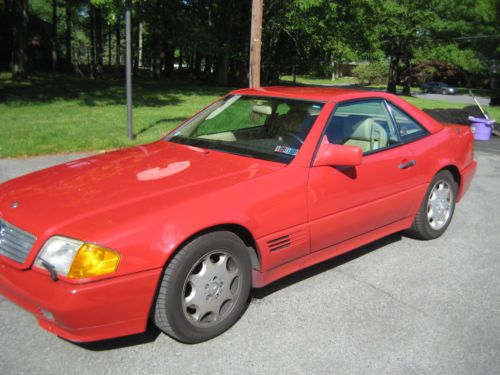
365	131
266	125
270	123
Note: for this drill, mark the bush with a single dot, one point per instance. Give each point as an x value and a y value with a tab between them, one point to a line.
437	71
370	73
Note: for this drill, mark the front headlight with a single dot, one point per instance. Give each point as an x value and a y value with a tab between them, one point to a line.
76	259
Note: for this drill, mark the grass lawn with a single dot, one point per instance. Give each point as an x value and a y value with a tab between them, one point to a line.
57	114
309	80
493	112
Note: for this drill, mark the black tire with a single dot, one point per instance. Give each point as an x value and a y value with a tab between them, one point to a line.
170	311
423	227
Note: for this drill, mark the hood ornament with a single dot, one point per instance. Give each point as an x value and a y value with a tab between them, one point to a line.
15	205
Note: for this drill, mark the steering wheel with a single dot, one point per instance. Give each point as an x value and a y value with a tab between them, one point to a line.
294	136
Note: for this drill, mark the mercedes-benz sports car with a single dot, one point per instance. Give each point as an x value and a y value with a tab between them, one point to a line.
258	185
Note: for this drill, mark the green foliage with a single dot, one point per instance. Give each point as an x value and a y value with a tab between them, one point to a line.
300	36
42	8
466	59
437	70
371	73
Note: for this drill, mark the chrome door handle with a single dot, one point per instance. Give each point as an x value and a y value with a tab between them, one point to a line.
406	165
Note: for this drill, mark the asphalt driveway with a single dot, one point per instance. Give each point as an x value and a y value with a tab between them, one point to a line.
397	306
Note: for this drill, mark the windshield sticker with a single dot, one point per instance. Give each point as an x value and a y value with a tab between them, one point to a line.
286	150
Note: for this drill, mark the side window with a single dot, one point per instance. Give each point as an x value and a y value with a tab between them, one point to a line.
366	124
409	129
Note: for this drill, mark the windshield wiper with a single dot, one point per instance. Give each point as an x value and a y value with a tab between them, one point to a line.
230	152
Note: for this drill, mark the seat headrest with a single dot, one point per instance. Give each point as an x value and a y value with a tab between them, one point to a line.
262	109
313	111
361	130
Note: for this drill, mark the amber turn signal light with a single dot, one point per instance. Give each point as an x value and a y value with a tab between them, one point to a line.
93	260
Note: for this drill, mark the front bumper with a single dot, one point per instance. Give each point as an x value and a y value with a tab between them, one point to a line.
86	312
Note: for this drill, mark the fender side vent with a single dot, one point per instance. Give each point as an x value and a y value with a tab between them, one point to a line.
279	243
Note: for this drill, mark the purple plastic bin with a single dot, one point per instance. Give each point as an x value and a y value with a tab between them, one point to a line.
481	128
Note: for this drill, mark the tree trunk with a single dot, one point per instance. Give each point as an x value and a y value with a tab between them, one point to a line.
110	32
118	46
20	38
406	76
393	74
169	59
10	17
68	58
221	69
208	65
135	42
181	59
197	63
53	40
92	56
98	40
334	70
139	46
255	44
156	56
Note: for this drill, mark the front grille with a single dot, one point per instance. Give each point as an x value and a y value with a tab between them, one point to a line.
15	243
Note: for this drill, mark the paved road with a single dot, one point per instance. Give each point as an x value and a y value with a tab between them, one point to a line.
10	168
464	99
397	306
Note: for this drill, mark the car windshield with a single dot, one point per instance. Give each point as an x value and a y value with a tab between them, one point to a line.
260	127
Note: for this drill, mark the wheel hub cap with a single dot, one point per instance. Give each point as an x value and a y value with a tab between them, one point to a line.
211	289
439	205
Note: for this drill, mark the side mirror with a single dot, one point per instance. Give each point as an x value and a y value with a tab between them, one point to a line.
332	155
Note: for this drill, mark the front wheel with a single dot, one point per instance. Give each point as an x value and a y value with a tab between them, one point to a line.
437	208
205	288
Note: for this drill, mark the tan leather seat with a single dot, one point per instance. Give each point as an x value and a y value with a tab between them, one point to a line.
291	121
366	134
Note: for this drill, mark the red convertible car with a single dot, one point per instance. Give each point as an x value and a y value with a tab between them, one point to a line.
260	184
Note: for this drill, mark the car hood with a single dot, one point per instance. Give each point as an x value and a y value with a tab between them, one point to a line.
52	198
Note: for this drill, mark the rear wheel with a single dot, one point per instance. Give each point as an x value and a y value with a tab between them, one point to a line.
205	288
437	208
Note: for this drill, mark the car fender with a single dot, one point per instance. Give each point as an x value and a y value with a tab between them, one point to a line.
147	233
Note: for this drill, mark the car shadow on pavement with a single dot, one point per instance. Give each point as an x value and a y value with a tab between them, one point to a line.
323	266
150	335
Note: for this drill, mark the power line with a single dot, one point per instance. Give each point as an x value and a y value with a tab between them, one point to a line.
478	37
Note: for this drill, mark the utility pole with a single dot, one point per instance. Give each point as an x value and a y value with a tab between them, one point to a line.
128	73
255	44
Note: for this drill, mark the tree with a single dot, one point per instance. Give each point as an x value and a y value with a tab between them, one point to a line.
20	38
68	35
54	35
255	44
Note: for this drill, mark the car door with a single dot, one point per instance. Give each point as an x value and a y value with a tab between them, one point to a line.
345	202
